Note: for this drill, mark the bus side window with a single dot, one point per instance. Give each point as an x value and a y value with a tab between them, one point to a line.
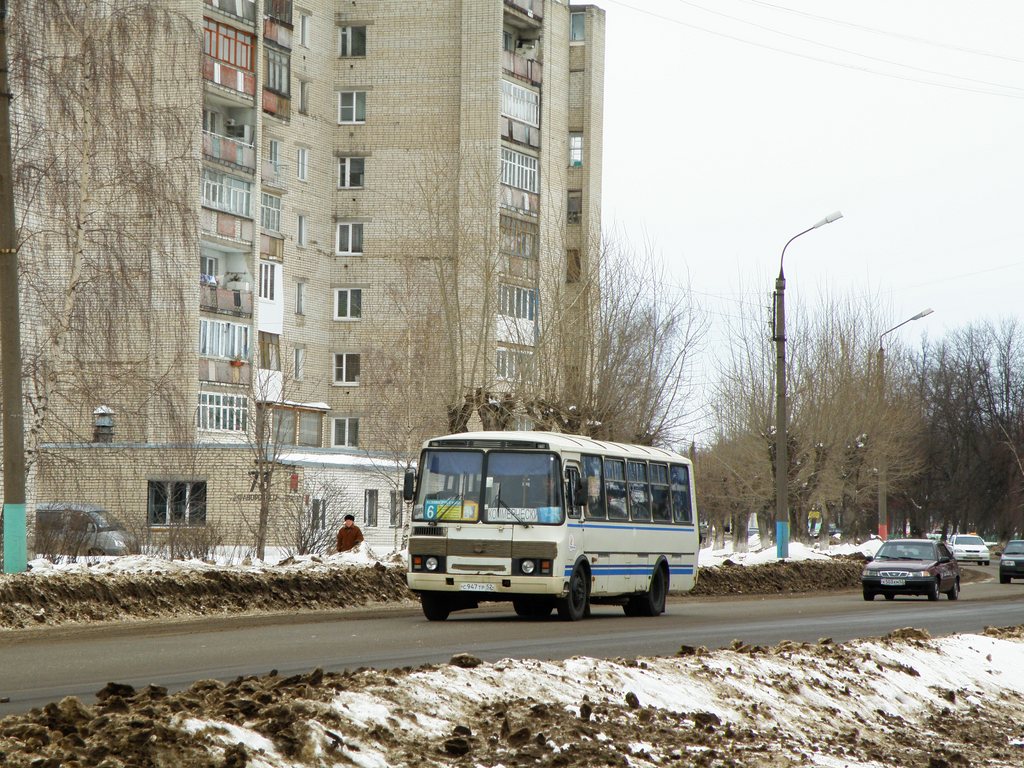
573	499
639	493
594	485
615	488
660	508
681	511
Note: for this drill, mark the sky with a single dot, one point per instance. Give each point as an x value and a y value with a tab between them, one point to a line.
732	125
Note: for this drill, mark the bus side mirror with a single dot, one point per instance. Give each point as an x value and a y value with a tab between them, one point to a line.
409	487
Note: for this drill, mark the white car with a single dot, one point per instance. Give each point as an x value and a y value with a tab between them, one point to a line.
969	548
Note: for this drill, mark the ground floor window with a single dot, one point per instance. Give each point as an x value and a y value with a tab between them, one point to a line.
176	502
370	507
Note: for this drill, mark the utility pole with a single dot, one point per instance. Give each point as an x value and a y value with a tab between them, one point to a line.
15	547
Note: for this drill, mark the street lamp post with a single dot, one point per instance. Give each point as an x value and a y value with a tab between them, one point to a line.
781	436
883	464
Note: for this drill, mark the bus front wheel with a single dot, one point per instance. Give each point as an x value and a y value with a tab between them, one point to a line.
435	606
573	606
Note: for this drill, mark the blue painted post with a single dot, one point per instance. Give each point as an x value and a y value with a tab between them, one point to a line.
15	557
782	539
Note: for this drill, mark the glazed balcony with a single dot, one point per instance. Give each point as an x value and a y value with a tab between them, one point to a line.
520	133
240	9
226	226
281	10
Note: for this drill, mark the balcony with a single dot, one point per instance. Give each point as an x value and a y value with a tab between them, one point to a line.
277	105
242	9
274	174
520	200
520	133
228	150
225	301
226	225
522	68
532	8
229	77
271	247
277	32
281	10
225	371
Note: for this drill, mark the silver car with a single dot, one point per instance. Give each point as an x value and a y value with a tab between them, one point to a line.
968	548
76	528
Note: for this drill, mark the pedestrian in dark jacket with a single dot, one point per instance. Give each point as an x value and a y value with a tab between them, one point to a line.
349	535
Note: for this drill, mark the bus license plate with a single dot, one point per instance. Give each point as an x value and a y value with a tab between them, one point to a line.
475	587
893	582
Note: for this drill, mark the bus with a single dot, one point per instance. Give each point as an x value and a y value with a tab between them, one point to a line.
550	522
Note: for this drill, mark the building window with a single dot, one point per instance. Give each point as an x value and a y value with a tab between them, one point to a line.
219	338
349	241
222	412
302	163
268	274
299	364
370	507
346	369
300	230
226	193
351	107
348	303
345	432
517	302
573	265
209	265
227	44
576	26
576	150
518	238
350	172
294	427
304	91
519	170
318	514
511	364
352	41
270	351
574	206
278	71
395	520
520	103
300	298
305	26
177	503
270	212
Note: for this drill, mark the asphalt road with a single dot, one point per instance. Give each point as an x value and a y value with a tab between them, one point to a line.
42	665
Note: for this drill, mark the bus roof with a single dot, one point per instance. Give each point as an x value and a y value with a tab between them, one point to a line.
552	441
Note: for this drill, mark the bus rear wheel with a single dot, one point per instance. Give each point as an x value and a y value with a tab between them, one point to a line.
574	606
436	607
652	602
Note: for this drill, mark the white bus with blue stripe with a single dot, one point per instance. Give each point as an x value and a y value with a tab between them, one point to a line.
549	522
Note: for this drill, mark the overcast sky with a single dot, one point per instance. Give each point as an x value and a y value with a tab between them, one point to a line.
731	125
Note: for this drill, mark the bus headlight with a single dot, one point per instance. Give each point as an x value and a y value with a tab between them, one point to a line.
527	567
430	563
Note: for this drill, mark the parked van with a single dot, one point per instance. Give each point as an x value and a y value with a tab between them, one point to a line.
73	528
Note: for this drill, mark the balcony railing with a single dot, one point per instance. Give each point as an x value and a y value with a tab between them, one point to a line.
225	225
532	8
521	67
277	32
271	247
230	77
274	174
520	133
213	298
224	371
243	9
520	200
229	150
277	105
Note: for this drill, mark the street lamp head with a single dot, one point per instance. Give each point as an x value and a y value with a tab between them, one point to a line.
922	313
829	219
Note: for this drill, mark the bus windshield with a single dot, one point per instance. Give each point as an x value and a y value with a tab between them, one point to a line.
518	489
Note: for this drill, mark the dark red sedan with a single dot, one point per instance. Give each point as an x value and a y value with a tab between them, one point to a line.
912	567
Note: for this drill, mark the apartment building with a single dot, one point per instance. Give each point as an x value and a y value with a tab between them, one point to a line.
392	206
